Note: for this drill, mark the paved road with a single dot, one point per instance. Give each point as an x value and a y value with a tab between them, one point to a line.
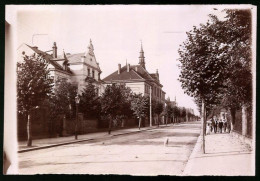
141	153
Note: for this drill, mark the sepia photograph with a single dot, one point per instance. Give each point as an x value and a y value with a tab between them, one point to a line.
139	90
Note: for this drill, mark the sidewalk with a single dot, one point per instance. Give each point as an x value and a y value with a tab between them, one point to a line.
51	142
225	155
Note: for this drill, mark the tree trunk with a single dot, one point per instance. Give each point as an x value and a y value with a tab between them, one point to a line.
29	130
109	126
203	125
233	118
64	128
244	121
158	120
140	120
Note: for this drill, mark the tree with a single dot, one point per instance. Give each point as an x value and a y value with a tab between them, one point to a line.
62	102
202	65
176	113
236	38
33	86
183	113
139	106
113	103
216	62
169	112
158	109
89	102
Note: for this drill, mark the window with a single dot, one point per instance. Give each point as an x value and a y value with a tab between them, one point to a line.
93	73
88	72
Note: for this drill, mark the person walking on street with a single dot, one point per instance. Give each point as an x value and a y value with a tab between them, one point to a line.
225	125
220	125
212	125
216	125
229	126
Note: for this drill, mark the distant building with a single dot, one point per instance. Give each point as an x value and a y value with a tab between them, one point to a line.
138	79
172	103
75	68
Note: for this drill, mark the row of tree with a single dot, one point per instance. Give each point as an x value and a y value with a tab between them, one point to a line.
175	114
116	103
216	62
34	88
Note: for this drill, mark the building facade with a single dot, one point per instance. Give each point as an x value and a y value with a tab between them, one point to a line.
138	79
75	68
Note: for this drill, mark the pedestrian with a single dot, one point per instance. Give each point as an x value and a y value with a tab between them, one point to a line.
220	125
225	125
216	125
208	128
211	125
229	126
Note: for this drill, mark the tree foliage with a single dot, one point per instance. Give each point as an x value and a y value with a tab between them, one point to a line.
139	105
158	108
115	102
63	99
33	85
237	39
202	65
216	61
89	100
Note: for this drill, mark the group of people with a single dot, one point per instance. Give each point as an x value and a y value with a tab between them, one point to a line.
217	125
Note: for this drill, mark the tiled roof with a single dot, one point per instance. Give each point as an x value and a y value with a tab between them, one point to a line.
137	72
49	58
124	75
73	58
153	76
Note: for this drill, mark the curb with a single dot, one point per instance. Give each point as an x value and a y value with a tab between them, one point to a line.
78	141
189	163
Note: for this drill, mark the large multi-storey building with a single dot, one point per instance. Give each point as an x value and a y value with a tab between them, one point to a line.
138	79
75	68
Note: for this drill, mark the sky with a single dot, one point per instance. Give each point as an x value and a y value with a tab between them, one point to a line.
116	33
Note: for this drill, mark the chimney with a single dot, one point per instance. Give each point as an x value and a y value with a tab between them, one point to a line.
54	48
136	69
128	67
119	68
157	73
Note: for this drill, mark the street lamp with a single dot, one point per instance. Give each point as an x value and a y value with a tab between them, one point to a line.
77	99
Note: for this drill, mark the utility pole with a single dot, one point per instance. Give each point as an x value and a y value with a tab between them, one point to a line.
150	106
